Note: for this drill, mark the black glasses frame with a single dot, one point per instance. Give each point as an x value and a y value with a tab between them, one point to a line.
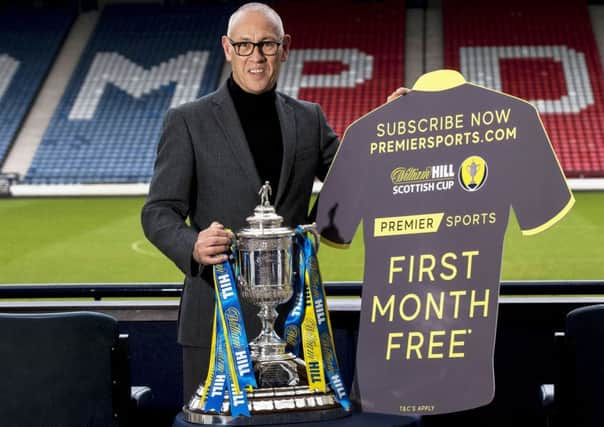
260	45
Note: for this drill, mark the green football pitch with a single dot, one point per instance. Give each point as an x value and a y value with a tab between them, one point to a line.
99	240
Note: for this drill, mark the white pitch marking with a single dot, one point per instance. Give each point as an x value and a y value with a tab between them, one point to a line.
136	247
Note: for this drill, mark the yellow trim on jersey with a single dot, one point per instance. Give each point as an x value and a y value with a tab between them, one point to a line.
552	221
438	80
571	201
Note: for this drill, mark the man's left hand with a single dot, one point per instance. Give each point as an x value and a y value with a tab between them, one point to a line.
398	92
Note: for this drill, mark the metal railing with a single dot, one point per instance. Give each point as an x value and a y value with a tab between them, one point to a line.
99	291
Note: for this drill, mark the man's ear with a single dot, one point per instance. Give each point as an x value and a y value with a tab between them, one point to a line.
226	46
285	47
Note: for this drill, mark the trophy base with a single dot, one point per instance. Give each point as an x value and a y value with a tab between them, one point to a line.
280	405
282	370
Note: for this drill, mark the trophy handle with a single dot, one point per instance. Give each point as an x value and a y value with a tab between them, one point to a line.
313	229
234	256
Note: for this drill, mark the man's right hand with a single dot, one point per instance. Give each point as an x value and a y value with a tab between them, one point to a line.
212	244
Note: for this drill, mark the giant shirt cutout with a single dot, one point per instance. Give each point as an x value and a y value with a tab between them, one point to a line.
433	175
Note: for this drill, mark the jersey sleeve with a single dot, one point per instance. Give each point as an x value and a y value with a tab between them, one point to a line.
339	210
542	197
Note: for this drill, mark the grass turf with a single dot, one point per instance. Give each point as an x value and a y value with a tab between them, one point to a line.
89	240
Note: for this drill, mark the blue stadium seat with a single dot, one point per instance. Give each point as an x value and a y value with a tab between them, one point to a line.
29	41
140	61
65	369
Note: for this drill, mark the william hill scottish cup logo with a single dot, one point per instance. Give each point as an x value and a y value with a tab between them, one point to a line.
408	180
473	173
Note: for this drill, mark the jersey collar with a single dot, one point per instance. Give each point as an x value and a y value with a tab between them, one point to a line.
439	80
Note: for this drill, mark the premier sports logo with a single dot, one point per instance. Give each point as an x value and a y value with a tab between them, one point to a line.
473	173
408	180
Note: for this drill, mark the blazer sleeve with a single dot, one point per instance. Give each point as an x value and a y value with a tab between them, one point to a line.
167	206
329	144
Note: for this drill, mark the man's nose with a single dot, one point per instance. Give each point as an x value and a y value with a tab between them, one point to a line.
257	54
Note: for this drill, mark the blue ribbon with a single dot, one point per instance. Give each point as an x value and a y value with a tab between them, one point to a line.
293	323
239	403
214	393
325	334
233	371
235	327
309	268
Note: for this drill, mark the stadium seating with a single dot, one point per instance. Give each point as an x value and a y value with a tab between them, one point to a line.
347	56
29	40
64	369
106	127
107	124
575	398
140	61
542	51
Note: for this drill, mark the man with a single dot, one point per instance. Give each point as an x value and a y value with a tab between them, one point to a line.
214	155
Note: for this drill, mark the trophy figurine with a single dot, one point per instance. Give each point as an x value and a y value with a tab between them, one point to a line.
264	254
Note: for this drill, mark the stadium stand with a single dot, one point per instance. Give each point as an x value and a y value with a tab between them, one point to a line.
140	61
29	40
106	127
542	51
350	65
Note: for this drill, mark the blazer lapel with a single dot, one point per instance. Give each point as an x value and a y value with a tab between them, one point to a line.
226	116
287	120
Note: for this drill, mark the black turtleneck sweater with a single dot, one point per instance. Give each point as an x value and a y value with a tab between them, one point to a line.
258	117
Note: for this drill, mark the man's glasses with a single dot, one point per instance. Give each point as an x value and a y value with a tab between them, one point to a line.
266	47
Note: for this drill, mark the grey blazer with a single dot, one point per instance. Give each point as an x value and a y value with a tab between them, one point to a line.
205	172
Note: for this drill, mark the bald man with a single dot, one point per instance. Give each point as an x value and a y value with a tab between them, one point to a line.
214	155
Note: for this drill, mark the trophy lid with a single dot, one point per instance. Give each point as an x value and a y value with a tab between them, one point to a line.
265	222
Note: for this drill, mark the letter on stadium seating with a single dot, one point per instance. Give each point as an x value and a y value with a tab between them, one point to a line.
360	69
109	67
486	72
8	68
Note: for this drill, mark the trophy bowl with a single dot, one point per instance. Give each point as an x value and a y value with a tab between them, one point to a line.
265	266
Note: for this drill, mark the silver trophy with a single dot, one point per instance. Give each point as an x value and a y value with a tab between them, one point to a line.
265	257
265	264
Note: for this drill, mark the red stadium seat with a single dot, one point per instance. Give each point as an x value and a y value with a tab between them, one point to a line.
545	52
347	56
